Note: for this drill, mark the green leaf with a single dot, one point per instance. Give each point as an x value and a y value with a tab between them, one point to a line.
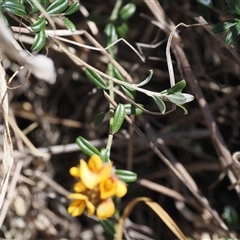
223	26
30	7
14	8
231	215
87	147
39	41
207	3
178	87
69	24
110	31
160	103
99	119
127	11
108	227
122	30
104	155
111	36
131	109
44	3
126	176
129	91
146	80
57	6
234	5
95	78
233	34
118	75
180	98
39	25
185	111
118	118
73	8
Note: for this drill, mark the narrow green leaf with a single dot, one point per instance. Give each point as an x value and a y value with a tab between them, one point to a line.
180	98
39	41
118	118
69	24
178	87
44	3
160	103
233	34
207	3
14	8
129	91
95	78
57	6
126	176
99	119
231	215
185	111
87	147
223	26
131	109
30	7
104	155
111	36
234	5
39	25
72	9
110	32
118	75
108	227
127	11
122	30
146	80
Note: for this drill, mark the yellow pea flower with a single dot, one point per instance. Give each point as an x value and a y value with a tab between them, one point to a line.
112	186
106	209
96	185
77	207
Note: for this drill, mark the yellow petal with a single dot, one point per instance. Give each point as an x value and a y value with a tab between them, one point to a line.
77	196
90	208
121	189
107	188
75	172
95	163
77	207
106	171
79	187
89	178
106	209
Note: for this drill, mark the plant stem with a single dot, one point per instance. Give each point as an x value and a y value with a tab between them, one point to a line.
113	17
116	8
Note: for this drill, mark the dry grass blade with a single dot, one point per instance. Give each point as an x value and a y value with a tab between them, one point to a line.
157	209
33	149
7	160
